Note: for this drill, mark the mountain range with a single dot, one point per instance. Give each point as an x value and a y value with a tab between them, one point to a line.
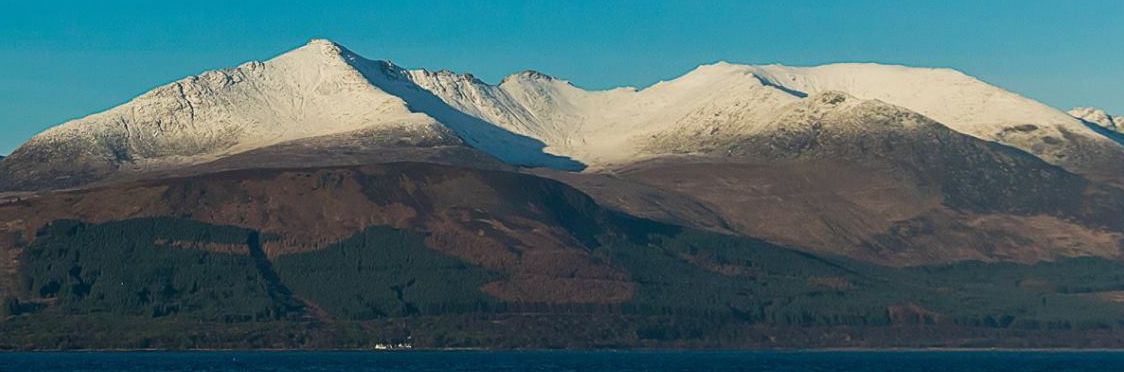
326	93
348	201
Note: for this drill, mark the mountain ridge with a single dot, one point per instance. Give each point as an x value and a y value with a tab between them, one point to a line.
527	119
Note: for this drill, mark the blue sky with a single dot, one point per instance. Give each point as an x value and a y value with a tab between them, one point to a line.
65	59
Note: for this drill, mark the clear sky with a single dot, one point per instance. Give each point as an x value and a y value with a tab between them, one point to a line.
65	59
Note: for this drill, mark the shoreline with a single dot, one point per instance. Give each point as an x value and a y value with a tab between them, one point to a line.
607	351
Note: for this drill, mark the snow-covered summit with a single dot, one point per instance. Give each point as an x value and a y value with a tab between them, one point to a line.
311	91
1099	117
527	75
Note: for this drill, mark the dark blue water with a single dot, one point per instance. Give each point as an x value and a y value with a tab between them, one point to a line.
565	361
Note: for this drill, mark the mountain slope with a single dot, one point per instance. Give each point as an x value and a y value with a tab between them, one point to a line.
440	257
507	222
961	102
839	175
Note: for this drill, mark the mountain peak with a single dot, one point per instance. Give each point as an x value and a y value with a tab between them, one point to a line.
713	72
327	47
319	51
531	75
314	91
1098	117
719	67
321	42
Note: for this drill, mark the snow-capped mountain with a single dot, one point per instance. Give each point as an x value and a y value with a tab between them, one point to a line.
322	92
616	126
309	92
1099	117
837	174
